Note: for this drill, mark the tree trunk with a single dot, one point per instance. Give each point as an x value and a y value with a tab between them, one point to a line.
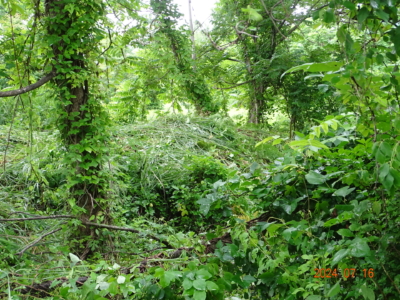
257	103
81	123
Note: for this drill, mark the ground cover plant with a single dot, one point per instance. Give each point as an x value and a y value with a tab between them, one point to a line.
100	202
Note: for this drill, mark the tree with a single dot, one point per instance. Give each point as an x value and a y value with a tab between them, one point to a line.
192	81
259	29
69	38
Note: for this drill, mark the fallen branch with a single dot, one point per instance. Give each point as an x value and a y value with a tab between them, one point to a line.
112	227
36	241
39	218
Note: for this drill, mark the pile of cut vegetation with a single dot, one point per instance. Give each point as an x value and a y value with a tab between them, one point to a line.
164	167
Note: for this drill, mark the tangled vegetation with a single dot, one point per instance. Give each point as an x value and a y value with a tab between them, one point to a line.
129	170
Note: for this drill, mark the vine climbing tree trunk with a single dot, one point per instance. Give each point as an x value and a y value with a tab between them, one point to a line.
72	35
192	81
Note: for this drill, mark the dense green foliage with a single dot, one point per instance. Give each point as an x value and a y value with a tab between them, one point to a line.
124	177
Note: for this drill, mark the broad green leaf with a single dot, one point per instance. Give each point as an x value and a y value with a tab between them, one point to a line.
121	279
334	290
287	233
211	286
75	259
324	126
382	15
273	227
344	207
300	143
253	14
199	295
387	182
315	178
313	297
362	15
318	144
264	141
383	171
342	253
329	16
203	273
345	232
276	142
325	66
187	283
367	293
359	248
344	191
200	284
349	5
316	67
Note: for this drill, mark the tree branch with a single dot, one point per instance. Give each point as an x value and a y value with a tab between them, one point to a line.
29	88
231	87
39	218
112	227
37	241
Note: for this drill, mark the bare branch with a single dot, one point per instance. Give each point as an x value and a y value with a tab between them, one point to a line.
232	59
236	85
239	32
112	227
305	17
29	88
220	48
39	218
272	18
37	241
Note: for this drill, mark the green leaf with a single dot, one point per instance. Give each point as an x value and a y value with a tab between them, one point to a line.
187	283
344	207
121	279
342	253
344	191
376	207
200	284
382	15
313	297
362	15
287	233
329	16
317	144
349	5
75	259
265	140
211	286
367	293
315	178
203	273
334	290
316	67
253	14
387	182
199	295
345	232
359	248
349	43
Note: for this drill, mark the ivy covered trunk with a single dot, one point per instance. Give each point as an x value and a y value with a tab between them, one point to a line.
194	84
72	36
257	103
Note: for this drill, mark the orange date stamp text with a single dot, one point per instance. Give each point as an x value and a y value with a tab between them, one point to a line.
346	273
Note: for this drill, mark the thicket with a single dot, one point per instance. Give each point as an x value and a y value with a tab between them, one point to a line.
188	207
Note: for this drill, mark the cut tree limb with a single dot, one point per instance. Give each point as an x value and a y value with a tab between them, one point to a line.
29	88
